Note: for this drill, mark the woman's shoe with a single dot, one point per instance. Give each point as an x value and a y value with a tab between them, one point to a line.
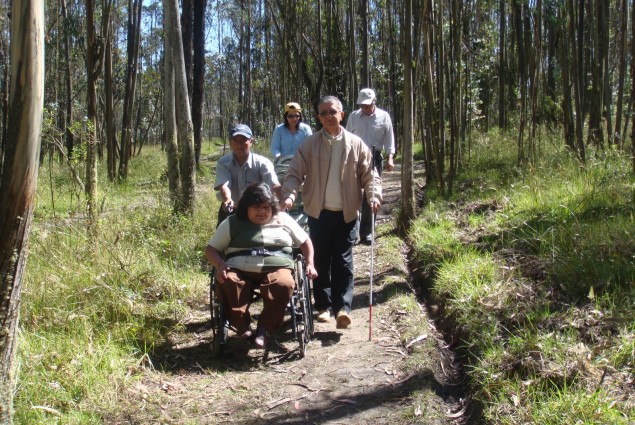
246	334
261	338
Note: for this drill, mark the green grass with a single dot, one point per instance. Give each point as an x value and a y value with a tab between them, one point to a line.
100	307
536	268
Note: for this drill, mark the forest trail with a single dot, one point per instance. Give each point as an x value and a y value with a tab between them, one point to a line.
343	379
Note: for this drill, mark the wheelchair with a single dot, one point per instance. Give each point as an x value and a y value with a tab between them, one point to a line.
299	308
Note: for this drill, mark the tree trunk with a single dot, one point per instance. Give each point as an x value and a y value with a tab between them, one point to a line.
432	118
169	117
134	28
68	79
407	213
440	74
518	9
198	78
456	95
109	118
352	53
19	179
618	138
595	136
574	46
185	132
94	49
632	85
187	35
502	28
534	72
567	94
363	13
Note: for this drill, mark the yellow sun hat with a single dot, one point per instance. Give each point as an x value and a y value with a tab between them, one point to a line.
292	106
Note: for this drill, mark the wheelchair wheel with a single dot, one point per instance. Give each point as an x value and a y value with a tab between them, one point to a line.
303	326
219	320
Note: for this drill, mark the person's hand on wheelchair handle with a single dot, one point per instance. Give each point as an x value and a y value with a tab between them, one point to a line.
287	204
228	206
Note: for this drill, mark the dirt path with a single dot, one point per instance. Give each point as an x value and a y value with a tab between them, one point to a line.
344	378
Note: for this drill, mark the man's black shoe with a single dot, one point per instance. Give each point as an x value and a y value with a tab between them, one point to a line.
366	240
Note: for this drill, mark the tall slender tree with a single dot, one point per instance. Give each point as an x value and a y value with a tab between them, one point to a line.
94	63
184	199
198	76
132	67
407	212
618	138
19	179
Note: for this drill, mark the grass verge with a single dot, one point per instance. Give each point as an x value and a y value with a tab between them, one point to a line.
534	270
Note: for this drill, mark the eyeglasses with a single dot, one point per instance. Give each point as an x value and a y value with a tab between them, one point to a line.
331	112
293	116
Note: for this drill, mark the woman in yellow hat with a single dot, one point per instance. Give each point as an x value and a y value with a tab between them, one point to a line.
288	136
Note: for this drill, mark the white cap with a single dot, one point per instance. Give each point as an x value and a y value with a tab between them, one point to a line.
366	97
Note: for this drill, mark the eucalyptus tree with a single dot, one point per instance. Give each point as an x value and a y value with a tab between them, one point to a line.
575	39
632	83
433	127
94	62
19	179
180	141
407	213
455	86
68	78
364	32
617	136
198	75
502	63
132	66
597	30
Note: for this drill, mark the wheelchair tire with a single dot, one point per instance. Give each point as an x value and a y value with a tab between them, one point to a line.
303	326
220	327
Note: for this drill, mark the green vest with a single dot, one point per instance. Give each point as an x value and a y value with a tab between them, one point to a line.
252	241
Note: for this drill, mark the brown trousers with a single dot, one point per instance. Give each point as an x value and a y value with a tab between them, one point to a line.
236	294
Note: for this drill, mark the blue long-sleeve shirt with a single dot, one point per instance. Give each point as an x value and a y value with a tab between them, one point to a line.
283	143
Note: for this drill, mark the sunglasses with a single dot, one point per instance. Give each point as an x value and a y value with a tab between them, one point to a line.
331	112
293	116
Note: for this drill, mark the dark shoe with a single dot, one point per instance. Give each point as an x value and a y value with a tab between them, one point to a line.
367	240
246	334
261	338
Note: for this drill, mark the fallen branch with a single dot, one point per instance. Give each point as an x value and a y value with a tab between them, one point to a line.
417	339
47	409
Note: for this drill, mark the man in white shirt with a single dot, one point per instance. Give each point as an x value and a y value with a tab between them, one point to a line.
374	127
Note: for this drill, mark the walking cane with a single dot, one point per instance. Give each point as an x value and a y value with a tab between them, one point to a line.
372	256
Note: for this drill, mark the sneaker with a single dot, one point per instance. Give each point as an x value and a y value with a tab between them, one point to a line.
343	320
324	316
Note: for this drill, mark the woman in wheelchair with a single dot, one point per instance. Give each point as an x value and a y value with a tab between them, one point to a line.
253	248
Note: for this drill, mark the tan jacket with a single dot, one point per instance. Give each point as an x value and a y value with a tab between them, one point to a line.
311	164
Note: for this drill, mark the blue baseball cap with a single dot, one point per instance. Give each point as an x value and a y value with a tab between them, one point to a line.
242	130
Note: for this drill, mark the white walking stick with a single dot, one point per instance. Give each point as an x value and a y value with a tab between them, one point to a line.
372	252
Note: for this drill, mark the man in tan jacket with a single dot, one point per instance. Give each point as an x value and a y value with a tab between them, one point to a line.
335	167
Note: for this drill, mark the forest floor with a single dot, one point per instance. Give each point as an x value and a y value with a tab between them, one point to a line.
345	378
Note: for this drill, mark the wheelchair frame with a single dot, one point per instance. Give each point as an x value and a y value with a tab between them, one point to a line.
300	309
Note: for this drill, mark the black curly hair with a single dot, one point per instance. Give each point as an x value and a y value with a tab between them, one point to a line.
256	194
